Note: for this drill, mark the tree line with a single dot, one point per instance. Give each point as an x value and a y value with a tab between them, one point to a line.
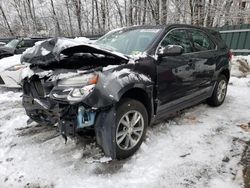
95	17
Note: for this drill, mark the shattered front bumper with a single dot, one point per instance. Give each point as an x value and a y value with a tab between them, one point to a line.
41	111
76	118
37	105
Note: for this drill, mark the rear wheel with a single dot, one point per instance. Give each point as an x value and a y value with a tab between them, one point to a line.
219	93
131	125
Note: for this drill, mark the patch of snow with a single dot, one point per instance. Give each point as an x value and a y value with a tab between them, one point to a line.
223	183
105	159
123	76
61	76
240	66
38	101
62	44
136	57
35	48
82	40
27	72
130	75
109	67
45	52
113	31
54	75
118	54
45	73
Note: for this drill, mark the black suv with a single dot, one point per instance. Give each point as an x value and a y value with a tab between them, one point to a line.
17	46
125	81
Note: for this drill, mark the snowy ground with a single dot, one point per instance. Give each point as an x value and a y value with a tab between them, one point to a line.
201	148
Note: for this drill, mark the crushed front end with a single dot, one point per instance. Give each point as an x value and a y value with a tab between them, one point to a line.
73	88
70	95
37	103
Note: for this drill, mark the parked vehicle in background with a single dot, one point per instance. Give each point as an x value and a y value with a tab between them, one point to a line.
2	43
10	66
17	46
6	40
11	71
124	82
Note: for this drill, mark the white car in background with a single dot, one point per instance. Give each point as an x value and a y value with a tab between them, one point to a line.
11	67
10	72
2	43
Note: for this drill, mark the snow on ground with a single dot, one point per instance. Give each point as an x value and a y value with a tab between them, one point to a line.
200	147
240	66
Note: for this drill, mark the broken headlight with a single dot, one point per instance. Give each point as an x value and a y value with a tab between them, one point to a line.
77	87
81	92
77	81
16	67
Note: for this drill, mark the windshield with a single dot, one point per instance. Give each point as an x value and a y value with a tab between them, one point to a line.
12	43
129	42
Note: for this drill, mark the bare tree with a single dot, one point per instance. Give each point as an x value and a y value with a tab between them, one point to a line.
164	8
69	17
78	12
155	10
97	16
6	20
84	17
119	12
58	29
31	9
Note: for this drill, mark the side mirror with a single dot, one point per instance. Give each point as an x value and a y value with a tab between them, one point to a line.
170	50
18	46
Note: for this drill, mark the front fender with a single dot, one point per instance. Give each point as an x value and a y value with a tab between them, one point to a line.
112	85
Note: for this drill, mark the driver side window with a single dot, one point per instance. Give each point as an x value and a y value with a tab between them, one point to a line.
178	37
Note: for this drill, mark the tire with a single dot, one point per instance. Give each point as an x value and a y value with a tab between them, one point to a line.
129	133
219	93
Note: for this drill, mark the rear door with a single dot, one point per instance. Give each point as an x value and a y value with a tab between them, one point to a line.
175	77
204	57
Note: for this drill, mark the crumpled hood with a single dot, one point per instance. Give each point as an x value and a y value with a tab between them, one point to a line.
51	50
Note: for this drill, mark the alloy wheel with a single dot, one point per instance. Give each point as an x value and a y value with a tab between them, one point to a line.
222	90
129	130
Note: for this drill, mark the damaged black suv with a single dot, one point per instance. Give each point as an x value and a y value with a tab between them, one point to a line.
125	81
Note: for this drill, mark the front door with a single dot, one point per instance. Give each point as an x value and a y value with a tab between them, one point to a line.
175	76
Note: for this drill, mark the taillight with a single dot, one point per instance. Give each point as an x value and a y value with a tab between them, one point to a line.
230	55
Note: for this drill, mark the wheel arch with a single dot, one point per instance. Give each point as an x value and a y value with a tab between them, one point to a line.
226	73
141	95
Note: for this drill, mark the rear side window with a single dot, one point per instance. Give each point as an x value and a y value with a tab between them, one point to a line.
178	37
26	43
201	41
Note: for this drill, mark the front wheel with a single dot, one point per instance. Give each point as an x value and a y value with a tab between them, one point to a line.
131	126
219	93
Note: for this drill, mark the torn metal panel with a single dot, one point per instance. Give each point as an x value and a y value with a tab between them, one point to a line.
105	131
38	113
54	50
